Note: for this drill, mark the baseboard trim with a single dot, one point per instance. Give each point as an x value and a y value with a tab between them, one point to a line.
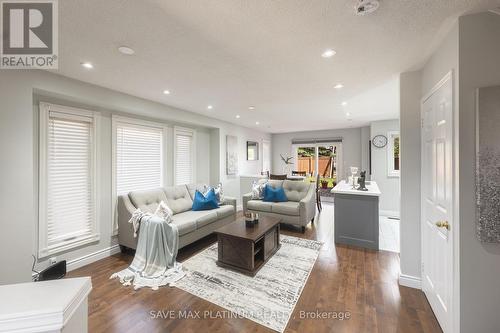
389	213
410	281
92	257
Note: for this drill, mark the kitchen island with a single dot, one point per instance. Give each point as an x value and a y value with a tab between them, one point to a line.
356	215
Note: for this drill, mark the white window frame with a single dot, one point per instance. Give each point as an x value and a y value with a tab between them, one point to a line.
44	249
188	131
390	154
115	121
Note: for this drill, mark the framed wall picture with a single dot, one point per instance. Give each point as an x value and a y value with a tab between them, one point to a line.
487	165
231	155
252	151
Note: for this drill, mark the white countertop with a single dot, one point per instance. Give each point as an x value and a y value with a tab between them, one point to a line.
41	306
345	188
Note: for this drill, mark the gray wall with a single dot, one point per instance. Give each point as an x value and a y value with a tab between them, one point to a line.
479	43
444	59
351	146
471	50
389	186
410	96
19	91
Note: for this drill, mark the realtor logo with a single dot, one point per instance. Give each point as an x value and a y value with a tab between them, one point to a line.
28	34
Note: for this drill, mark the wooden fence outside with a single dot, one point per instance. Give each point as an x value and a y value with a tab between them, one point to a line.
326	165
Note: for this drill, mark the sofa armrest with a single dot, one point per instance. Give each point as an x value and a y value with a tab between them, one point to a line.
230	201
124	211
308	205
246	198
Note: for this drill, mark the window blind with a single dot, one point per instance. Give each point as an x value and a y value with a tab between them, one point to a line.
70	178
184	157
138	157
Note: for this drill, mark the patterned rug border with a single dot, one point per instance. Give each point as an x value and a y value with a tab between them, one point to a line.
321	243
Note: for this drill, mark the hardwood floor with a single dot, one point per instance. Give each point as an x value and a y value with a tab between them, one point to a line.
344	278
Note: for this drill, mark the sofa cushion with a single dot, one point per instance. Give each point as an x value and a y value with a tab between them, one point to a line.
295	190
224	211
186	222
205	202
147	200
259	205
178	198
274	194
291	208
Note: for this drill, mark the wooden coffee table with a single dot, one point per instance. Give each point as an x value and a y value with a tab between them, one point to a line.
247	249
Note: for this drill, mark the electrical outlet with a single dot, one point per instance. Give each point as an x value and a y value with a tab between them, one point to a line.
53	260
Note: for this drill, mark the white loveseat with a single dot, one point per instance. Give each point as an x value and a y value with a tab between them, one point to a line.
299	210
192	225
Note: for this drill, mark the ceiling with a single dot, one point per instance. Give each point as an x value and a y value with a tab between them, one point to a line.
233	54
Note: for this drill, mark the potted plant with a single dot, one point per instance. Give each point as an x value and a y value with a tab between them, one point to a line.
324	183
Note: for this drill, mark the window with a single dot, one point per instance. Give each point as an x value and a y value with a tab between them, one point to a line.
138	157
393	162
67	178
184	156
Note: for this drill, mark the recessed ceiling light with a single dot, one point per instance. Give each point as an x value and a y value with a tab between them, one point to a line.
210	107
166	92
328	53
126	50
344	103
237	116
257	123
339	86
347	114
251	108
87	65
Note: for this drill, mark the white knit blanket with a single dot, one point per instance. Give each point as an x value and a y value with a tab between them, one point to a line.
154	263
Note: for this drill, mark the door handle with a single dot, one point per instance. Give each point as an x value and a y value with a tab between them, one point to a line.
443	224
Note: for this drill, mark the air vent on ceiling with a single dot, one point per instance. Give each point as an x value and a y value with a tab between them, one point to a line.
495	10
365	7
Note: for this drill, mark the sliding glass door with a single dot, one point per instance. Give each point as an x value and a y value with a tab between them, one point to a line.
323	158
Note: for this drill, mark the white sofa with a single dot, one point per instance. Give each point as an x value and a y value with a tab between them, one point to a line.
192	225
299	210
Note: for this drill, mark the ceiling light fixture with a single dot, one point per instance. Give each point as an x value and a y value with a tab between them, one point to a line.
166	92
257	123
210	107
237	116
251	108
328	53
87	65
344	103
126	50
366	7
339	86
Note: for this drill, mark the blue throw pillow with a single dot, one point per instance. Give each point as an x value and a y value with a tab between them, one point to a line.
205	202
272	194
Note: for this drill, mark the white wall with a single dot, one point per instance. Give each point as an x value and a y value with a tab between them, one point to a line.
351	146
19	91
410	96
389	186
479	43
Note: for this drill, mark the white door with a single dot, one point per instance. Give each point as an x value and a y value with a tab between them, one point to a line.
437	200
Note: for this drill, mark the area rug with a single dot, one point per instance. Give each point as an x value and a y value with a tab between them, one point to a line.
269	297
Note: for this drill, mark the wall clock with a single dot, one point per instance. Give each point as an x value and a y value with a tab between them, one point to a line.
379	141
